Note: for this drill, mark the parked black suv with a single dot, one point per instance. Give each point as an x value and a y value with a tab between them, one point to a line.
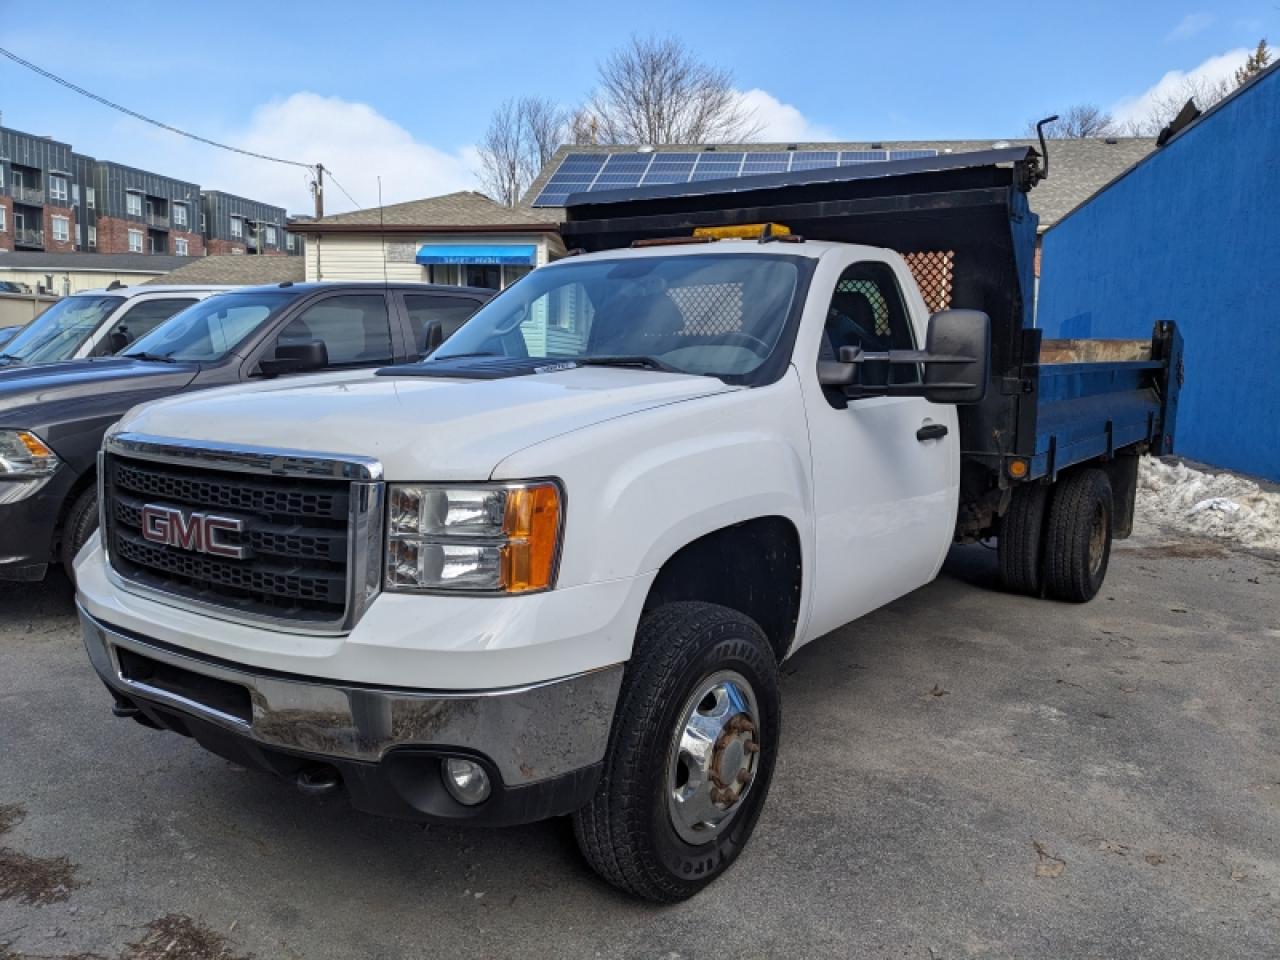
52	418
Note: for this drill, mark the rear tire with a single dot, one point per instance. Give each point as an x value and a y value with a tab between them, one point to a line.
1020	545
1078	542
664	823
82	520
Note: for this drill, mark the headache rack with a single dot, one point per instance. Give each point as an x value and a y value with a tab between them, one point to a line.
964	227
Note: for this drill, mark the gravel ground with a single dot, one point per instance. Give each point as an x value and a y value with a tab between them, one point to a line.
963	774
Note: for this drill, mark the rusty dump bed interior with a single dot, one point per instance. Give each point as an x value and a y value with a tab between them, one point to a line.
963	225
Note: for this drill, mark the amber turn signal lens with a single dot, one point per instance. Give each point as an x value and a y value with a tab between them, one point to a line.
532	524
1017	469
35	446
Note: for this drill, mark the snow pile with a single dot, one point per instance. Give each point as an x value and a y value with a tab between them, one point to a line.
1212	504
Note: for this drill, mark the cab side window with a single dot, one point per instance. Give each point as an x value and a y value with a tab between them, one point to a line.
354	328
868	311
145	315
449	313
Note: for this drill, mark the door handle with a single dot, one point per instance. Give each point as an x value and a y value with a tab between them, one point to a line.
931	431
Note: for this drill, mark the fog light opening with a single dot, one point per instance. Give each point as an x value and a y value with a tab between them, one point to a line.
465	780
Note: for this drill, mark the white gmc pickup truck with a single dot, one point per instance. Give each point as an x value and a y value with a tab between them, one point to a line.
553	569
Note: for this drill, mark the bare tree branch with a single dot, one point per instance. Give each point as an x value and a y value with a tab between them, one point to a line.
655	91
1165	107
522	136
1078	122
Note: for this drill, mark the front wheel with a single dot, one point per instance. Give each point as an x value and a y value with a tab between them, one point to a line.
82	520
690	756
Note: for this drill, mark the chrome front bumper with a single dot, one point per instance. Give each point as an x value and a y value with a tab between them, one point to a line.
530	734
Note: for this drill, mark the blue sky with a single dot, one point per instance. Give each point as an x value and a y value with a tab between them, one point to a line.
405	90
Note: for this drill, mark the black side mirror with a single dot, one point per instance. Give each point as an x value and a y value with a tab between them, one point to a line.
956	360
119	339
300	357
957	356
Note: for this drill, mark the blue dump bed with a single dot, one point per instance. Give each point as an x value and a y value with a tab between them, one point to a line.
963	224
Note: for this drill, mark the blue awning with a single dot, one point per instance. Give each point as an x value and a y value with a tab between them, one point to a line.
509	253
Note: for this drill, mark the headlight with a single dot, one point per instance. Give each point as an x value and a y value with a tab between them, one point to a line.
23	454
486	538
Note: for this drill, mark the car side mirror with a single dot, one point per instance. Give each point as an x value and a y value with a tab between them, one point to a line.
435	335
119	339
956	361
299	357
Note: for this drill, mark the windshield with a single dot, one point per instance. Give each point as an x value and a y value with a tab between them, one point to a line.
711	314
209	330
60	331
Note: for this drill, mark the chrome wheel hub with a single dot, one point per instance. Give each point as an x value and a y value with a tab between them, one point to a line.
715	750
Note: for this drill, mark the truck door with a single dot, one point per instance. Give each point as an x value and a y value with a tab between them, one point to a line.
885	473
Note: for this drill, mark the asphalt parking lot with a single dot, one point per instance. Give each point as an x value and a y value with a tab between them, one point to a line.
963	774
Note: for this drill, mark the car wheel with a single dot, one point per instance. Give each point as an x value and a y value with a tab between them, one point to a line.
82	520
1078	541
691	753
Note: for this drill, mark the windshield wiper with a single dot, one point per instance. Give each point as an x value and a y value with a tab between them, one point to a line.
626	360
459	356
159	357
8	358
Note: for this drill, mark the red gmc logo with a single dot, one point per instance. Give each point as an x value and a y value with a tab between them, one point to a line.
198	532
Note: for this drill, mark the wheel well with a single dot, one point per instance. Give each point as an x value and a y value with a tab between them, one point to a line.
753	567
87	479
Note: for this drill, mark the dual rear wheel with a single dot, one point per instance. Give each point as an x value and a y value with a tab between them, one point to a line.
1055	539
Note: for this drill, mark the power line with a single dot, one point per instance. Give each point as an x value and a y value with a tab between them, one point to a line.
334	181
155	123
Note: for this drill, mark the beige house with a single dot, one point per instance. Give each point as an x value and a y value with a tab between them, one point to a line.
459	239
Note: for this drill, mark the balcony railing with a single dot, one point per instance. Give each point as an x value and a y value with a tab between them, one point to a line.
28	238
24	194
157	220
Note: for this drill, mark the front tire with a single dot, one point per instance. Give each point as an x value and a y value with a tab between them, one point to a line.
82	520
691	753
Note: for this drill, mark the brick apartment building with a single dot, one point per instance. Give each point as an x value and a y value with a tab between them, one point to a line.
234	224
36	211
54	200
141	212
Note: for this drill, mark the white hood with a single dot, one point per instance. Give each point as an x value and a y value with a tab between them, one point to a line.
421	428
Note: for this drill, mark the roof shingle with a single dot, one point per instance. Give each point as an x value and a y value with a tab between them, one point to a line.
238	269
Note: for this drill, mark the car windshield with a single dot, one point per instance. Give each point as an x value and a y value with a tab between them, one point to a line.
60	331
710	314
209	330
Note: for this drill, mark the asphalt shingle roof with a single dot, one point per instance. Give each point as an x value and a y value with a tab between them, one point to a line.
466	208
237	269
1077	168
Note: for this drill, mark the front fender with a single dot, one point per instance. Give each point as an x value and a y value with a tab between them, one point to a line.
642	486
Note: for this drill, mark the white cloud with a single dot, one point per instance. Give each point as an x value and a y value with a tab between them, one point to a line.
1212	71
1190	25
780	121
352	139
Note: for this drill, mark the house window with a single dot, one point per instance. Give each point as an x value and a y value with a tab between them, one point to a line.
61	229
75	194
93	238
271	235
3	225
90	197
203	227
133	204
135	240
1	176
179	214
290	242
180	246
58	188
237	227
79	235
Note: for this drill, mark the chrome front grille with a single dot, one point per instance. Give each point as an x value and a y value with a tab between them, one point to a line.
306	537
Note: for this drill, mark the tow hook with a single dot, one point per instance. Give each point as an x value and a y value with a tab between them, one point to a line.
318	781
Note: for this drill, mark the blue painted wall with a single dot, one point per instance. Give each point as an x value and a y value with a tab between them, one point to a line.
1192	235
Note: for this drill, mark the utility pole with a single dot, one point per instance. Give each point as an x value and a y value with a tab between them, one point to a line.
317	189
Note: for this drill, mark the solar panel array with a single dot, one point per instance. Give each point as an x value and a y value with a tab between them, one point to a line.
585	172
